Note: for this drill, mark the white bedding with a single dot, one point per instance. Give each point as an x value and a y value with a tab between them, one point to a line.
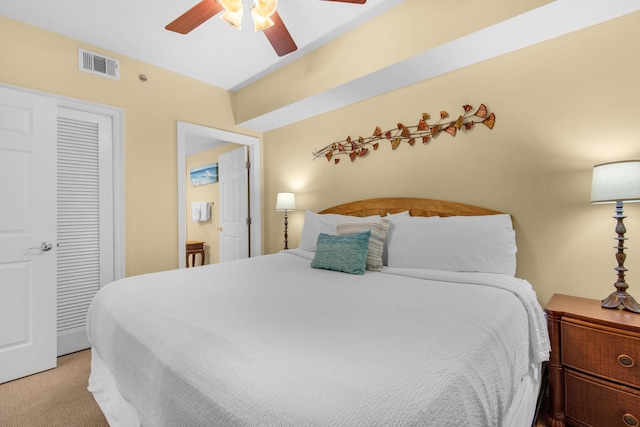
270	341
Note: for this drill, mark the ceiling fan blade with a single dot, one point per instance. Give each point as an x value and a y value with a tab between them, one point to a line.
195	16
279	36
350	1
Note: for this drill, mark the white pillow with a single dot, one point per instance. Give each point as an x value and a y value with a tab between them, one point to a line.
315	223
483	243
411	222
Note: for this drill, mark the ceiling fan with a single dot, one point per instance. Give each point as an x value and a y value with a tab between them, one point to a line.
265	16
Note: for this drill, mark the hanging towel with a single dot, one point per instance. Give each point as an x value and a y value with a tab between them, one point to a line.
205	211
195	211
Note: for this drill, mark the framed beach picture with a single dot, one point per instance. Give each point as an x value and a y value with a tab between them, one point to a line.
204	175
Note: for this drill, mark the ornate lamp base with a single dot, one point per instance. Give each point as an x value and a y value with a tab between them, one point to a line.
621	298
286	230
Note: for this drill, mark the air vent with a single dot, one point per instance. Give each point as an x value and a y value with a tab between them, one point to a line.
98	64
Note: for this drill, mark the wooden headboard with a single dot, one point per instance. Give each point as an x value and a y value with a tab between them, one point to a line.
415	206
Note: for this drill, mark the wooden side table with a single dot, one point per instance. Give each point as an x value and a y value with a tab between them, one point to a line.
594	369
194	248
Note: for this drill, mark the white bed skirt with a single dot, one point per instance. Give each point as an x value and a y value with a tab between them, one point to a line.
117	411
120	413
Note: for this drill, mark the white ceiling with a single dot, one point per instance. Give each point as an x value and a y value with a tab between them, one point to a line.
222	56
214	52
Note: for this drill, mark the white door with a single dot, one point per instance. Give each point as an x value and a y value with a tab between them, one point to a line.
27	234
234	205
85	220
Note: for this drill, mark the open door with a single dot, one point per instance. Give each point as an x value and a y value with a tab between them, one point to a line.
186	131
235	222
28	245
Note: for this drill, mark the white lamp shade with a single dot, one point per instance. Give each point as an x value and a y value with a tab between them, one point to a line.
233	18
260	22
616	182
286	202
265	8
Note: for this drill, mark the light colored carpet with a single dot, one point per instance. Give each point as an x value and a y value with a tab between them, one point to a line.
54	398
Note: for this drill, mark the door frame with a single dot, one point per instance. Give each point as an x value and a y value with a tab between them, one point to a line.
117	120
185	129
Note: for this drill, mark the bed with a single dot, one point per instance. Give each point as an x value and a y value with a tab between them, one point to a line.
391	312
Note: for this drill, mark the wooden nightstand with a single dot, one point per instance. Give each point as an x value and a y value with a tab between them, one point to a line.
193	248
594	371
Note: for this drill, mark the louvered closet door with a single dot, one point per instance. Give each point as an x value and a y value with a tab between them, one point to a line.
85	220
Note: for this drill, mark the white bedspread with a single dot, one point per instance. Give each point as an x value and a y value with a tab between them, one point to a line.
269	341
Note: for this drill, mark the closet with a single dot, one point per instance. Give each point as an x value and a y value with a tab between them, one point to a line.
85	238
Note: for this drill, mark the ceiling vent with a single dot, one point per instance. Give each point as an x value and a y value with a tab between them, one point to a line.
98	64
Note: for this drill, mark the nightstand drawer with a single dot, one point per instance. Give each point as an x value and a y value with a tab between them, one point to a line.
602	351
596	403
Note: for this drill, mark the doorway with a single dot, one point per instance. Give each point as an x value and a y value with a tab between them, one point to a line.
188	133
204	189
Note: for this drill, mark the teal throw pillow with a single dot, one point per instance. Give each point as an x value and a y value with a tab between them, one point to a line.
347	253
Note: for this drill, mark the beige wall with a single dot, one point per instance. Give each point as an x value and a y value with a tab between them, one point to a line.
206	231
43	61
561	106
408	29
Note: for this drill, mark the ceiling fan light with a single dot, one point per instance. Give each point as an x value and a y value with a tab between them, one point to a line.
265	8
260	22
231	5
233	18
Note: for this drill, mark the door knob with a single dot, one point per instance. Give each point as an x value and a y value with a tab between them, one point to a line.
44	247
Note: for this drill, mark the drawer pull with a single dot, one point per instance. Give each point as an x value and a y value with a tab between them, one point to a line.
630	420
626	361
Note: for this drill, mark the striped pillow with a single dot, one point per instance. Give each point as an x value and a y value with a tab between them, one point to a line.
379	229
346	253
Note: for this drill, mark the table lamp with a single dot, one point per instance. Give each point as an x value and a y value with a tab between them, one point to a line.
618	182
